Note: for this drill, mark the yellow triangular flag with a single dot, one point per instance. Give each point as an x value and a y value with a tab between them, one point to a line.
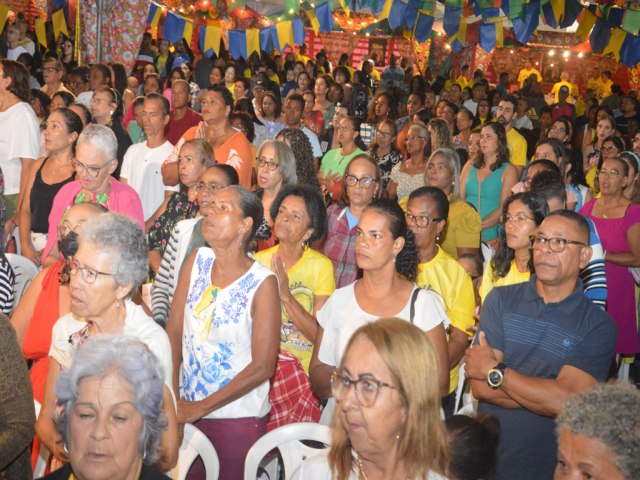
558	9
384	13
615	43
499	33
586	24
212	38
285	33
314	20
41	33
253	41
188	30
59	24
4	14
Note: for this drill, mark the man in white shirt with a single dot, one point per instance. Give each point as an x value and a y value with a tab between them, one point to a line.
479	93
293	117
141	167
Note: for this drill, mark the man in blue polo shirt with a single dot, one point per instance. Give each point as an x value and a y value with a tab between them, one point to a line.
539	342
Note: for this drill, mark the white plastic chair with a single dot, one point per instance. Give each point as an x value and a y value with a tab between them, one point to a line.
24	270
43	454
287	440
464	401
196	444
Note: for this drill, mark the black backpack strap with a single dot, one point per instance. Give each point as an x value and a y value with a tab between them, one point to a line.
412	309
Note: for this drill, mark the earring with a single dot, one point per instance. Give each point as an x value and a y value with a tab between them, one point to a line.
117	303
437	237
64	447
110	112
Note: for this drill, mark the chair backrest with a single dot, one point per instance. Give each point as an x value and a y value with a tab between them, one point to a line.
24	270
194	444
43	454
287	440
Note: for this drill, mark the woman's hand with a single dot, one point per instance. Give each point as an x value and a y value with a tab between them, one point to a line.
283	278
189	412
31	254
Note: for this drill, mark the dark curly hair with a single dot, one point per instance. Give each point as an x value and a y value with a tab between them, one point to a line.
503	147
501	262
312	202
407	258
301	148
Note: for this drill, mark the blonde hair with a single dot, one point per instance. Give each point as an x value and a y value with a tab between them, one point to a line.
413	364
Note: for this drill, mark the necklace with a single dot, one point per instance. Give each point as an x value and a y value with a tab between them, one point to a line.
361	471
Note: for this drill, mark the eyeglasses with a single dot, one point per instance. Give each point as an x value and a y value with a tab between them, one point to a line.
210	187
88	274
268	164
517	218
556	244
414	138
421	221
50	69
609	149
608	173
366	387
557	129
364	182
91	170
382	133
64	229
344	128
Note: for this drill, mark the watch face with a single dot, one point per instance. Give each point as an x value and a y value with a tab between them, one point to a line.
495	377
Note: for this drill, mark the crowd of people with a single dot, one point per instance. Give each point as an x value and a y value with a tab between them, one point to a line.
235	244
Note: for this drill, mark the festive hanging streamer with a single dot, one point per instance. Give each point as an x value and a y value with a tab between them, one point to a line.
451	20
314	20
500	33
586	24
345	6
41	33
266	38
411	14
487	36
614	17
253	41
238	44
524	28
600	36
59	24
396	15
188	30
630	51
424	27
173	27
615	44
572	10
299	32
386	9
155	13
210	36
549	15
631	21
285	34
325	19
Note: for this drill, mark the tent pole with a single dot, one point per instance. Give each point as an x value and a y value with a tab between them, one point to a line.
99	5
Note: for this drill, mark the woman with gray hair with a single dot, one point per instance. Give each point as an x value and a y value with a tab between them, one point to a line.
408	175
599	434
94	164
111	411
108	267
275	167
461	234
224	328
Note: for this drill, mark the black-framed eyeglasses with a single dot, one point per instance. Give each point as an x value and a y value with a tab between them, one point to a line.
517	218
89	275
268	164
91	170
367	387
364	182
608	173
210	187
556	244
421	221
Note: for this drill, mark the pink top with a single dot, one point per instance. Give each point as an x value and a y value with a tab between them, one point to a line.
122	199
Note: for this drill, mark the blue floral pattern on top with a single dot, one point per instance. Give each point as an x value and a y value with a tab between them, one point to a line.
204	274
231	311
202	374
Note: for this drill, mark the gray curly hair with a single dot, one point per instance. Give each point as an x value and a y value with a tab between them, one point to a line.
608	413
123	237
132	361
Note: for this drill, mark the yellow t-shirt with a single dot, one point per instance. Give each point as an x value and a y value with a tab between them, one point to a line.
310	277
517	147
606	88
275	79
556	89
463	82
375	74
448	278
524	74
514	277
462	229
596	84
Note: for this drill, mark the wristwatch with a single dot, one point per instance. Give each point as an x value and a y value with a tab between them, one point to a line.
495	377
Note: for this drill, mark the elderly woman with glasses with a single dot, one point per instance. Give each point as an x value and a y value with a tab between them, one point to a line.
107	269
95	162
387	422
195	157
111	411
224	329
276	167
186	237
617	221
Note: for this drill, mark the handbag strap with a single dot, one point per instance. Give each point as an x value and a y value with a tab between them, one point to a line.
412	308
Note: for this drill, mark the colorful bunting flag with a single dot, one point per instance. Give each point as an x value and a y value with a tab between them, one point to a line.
631	21
188	31
59	24
155	13
299	32
285	34
238	44
411	14
345	6
487	36
396	15
266	38
325	19
630	51
586	24
572	10
210	37
524	28
386	10
600	36
41	33
314	20
173	27
424	27
292	7
615	44
253	41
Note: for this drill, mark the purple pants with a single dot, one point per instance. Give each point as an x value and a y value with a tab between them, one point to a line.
232	438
